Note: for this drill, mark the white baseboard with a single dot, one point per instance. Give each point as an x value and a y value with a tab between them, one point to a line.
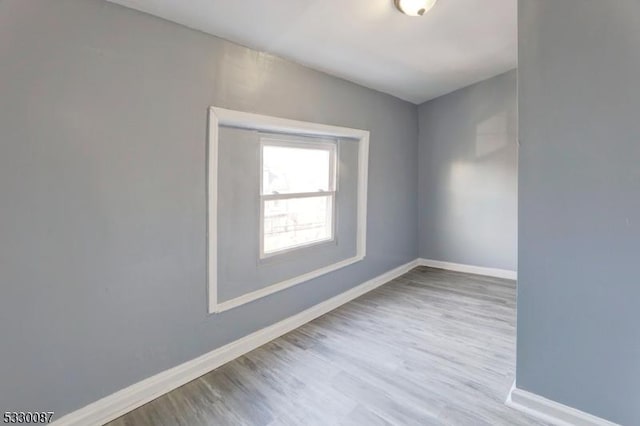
470	269
551	411
134	396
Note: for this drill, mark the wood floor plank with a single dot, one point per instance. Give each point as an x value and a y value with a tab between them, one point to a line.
432	347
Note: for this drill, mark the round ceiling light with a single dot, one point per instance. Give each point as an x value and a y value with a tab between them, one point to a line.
414	7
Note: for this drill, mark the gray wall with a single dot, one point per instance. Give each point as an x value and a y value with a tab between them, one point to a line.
579	217
468	175
103	115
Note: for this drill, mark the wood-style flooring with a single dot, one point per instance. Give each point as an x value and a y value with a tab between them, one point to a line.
432	347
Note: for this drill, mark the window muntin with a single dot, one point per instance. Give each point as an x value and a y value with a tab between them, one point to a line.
297	193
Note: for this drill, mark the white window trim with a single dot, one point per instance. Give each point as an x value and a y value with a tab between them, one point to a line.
299	142
244	120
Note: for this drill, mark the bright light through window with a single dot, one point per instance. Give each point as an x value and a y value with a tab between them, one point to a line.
295	170
298	193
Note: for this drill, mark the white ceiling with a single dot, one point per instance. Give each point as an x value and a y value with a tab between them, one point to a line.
459	42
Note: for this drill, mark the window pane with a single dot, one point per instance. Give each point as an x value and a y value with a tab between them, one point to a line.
289	170
296	222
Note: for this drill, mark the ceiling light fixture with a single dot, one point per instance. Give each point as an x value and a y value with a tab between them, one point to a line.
414	7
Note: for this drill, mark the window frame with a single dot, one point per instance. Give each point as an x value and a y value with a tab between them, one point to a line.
298	142
264	123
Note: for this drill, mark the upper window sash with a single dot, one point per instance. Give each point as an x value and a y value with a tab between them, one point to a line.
300	143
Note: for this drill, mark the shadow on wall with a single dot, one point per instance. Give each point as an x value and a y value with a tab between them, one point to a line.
492	134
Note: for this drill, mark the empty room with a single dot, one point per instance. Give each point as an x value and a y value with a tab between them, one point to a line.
319	212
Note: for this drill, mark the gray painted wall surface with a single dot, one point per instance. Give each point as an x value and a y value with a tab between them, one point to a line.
103	115
240	270
579	205
468	175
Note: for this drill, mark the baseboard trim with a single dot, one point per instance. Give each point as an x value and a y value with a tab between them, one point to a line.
138	394
470	269
551	411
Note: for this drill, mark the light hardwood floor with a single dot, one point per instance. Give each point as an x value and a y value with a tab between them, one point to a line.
432	347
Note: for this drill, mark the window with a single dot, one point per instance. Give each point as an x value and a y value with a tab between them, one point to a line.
344	223
297	194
